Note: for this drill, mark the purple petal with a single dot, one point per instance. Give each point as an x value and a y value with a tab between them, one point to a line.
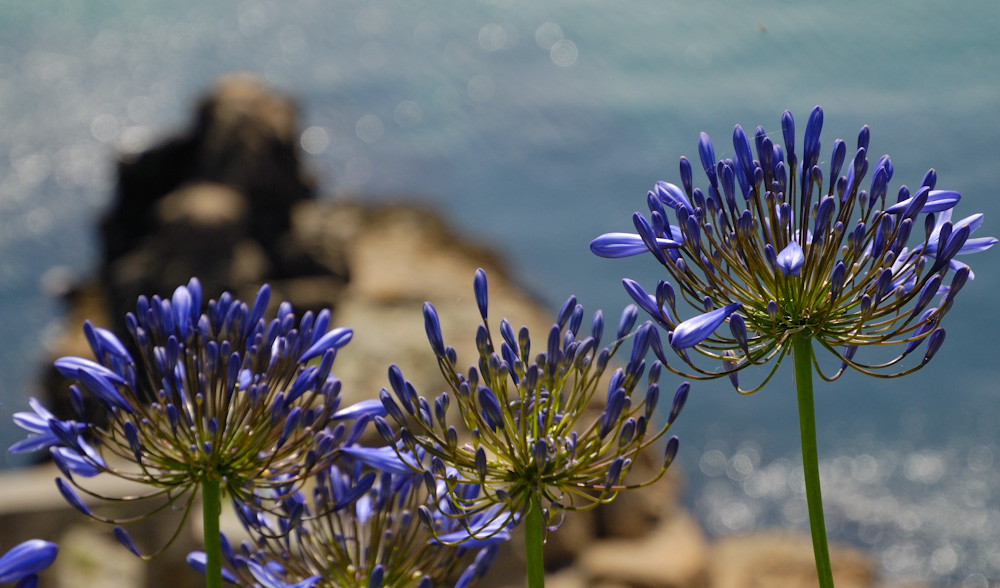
72	366
616	245
706	152
937	201
268	579
35	442
335	339
382	458
432	325
75	462
695	330
27	558
377	577
110	343
741	145
974	221
181	305
477	535
38	423
976	245
370	407
810	143
199	561
103	389
673	196
644	300
194	291
790	259
257	311
479	286
788	132
71	496
125	539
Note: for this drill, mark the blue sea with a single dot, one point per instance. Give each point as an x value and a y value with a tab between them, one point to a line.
536	126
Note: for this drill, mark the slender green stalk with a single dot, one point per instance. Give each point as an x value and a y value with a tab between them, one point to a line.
534	532
212	507
802	349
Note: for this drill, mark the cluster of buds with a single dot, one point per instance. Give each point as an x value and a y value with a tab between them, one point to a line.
361	529
223	396
523	432
789	255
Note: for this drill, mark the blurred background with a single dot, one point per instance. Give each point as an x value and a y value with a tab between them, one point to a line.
535	127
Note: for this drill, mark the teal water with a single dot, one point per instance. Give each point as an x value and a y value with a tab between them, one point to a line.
537	128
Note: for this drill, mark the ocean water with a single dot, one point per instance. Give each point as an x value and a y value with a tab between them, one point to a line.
535	127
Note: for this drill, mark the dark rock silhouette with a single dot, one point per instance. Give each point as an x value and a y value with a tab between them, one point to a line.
214	202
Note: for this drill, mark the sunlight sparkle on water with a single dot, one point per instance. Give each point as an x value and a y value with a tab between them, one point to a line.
926	513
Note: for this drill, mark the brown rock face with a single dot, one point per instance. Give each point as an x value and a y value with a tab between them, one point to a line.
779	559
214	202
674	555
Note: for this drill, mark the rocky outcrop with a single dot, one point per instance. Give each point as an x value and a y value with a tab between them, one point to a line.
215	201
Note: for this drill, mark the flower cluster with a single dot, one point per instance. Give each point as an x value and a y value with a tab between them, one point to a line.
23	562
222	397
226	403
360	530
789	255
523	433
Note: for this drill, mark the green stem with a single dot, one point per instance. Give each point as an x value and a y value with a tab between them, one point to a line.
802	350
534	530
212	510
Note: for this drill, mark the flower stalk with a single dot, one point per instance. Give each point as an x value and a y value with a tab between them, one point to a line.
212	511
218	399
784	259
534	531
533	447
774	250
802	354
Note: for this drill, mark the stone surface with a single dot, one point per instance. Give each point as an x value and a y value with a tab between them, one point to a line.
214	201
674	555
243	136
781	559
401	256
90	558
31	507
638	512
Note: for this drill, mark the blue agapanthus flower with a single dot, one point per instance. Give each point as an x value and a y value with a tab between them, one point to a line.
776	251
220	394
533	433
23	562
364	528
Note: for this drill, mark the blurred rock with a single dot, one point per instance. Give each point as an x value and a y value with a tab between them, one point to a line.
637	513
244	137
399	257
781	559
31	507
215	202
674	555
90	558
